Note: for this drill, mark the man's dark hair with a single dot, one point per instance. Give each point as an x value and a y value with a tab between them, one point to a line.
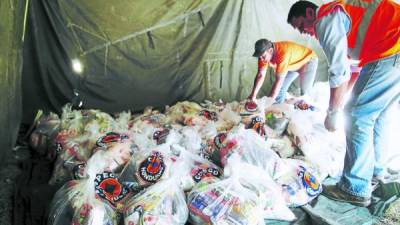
299	9
261	45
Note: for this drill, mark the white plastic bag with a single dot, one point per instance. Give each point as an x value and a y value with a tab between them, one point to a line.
162	203
299	184
224	202
91	201
258	181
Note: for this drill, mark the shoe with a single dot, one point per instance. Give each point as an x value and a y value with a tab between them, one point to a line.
334	193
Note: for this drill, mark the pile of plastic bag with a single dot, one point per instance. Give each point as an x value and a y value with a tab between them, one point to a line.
209	163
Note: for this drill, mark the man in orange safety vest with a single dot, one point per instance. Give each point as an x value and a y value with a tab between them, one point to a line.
369	31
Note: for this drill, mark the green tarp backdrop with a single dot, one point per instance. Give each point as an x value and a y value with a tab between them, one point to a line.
134	53
146	53
11	35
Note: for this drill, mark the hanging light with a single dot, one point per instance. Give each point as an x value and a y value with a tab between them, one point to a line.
77	66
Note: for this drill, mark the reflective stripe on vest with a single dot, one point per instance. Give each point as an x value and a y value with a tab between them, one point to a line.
366	17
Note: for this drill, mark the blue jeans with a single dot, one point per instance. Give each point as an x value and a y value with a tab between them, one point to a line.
307	76
377	89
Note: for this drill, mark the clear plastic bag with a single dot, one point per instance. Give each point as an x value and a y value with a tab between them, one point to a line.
162	203
69	206
190	114
46	129
91	201
252	149
191	140
71	151
214	201
148	167
74	152
319	146
258	181
194	168
283	146
299	184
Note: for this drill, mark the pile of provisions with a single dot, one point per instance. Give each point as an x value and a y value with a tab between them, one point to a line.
208	163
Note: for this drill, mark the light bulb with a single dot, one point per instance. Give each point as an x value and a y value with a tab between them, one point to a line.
77	66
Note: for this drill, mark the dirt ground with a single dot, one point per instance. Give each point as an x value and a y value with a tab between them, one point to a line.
8	174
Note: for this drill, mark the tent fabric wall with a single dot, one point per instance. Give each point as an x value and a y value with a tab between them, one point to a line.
148	53
11	32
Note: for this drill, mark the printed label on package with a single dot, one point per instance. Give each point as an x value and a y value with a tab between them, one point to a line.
257	125
111	137
152	168
205	172
107	187
311	184
209	115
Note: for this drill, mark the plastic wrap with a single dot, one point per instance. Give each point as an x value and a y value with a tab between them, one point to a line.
319	146
74	152
278	121
71	152
150	136
214	201
191	140
148	167
299	184
194	168
283	146
123	122
162	203
42	138
91	201
252	149
190	114
258	181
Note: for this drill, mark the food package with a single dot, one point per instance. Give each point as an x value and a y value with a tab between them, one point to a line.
93	200
214	201
148	167
42	138
162	203
267	190
299	184
252	149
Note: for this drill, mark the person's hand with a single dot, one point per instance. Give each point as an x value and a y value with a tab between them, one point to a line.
331	118
251	98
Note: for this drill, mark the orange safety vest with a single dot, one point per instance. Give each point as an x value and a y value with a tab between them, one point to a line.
375	27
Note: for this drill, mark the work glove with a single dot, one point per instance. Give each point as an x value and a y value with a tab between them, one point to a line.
331	120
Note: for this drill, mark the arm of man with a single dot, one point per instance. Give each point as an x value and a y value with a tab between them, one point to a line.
276	87
258	81
332	30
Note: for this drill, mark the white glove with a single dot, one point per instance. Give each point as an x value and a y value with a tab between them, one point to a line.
331	118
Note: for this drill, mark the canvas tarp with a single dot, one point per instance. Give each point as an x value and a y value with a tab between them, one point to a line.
11	35
148	53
